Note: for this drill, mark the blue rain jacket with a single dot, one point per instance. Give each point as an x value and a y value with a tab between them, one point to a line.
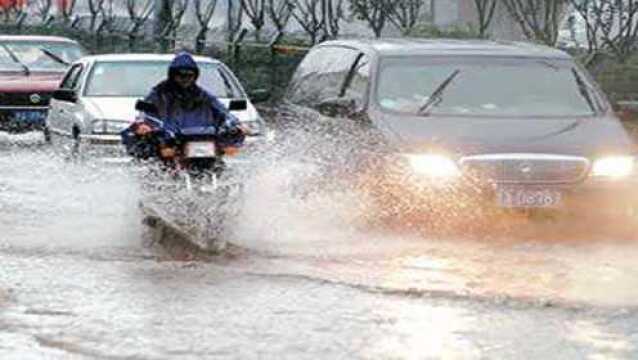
191	108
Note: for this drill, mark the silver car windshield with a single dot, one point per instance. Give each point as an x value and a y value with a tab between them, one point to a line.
137	78
31	55
486	86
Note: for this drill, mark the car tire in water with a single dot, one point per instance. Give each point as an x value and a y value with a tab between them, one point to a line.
47	134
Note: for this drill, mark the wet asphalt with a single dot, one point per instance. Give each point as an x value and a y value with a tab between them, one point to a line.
79	280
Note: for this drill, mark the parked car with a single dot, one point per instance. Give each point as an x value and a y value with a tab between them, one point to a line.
510	125
30	70
96	99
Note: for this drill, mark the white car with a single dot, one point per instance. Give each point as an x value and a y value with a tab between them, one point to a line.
96	98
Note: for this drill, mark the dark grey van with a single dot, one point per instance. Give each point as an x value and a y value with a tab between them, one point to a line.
519	125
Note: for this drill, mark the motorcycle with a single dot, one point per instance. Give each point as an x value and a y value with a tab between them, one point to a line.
186	185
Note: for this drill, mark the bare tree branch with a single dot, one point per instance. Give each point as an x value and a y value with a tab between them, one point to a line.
13	11
405	14
333	15
234	20
375	12
485	10
280	12
256	11
538	19
107	15
66	7
612	25
138	15
95	9
42	8
203	14
309	14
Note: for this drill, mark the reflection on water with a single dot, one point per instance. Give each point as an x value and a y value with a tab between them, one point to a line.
331	287
604	343
418	332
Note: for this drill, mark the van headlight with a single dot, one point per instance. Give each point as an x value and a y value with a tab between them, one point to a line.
613	167
433	165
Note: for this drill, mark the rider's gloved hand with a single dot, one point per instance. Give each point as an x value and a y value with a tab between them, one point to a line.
141	128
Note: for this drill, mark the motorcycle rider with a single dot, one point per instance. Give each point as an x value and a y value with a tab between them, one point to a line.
181	103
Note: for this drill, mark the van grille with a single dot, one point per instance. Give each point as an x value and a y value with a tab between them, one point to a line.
526	168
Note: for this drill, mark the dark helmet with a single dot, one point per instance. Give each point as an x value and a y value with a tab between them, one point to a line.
183	61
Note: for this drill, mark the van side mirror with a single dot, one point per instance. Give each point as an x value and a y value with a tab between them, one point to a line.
146	107
65	95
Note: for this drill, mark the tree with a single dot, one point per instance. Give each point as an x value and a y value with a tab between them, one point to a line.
405	14
42	9
138	15
204	14
256	11
107	16
375	12
171	14
611	25
234	20
333	15
95	9
485	10
310	15
13	10
280	12
66	8
538	19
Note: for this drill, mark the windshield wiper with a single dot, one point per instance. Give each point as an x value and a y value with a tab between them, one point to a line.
55	57
435	97
15	58
584	90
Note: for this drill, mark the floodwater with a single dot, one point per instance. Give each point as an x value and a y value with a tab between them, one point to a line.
78	280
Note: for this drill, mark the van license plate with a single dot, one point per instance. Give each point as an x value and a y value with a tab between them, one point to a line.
513	197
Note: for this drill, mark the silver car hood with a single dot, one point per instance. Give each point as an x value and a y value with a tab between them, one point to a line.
123	108
112	108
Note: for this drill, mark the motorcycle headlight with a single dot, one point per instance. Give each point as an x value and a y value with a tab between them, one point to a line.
433	165
106	126
613	167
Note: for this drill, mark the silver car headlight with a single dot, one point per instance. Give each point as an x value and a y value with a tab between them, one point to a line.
254	127
108	126
613	167
433	165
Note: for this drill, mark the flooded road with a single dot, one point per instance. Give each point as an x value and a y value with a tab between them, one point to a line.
78	281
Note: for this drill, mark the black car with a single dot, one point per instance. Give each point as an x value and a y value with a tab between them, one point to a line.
515	125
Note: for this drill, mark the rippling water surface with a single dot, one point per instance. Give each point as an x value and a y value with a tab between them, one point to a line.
313	281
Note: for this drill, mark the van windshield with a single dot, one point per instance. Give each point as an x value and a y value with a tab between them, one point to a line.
485	86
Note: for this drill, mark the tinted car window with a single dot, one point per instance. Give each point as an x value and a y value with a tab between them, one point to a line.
321	75
137	78
31	54
486	87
